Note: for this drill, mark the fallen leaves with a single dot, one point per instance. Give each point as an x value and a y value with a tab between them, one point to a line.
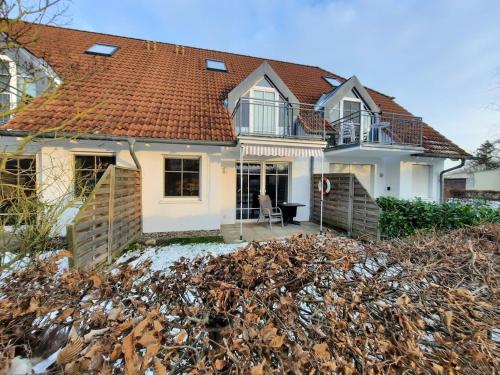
307	305
321	351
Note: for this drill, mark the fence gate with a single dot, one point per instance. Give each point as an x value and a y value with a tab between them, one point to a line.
348	206
109	220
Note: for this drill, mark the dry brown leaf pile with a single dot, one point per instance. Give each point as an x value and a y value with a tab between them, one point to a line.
424	305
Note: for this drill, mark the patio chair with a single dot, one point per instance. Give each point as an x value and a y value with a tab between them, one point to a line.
267	211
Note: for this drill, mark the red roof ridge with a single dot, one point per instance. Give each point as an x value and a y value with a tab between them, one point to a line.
178	44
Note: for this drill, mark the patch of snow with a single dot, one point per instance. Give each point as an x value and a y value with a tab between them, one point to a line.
63	263
162	258
495	334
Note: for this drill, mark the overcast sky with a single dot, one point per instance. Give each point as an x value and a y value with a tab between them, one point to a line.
439	58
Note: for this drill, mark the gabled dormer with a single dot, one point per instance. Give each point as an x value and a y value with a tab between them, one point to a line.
23	76
356	120
262	105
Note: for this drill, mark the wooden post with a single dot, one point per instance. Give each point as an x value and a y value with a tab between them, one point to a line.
111	219
70	236
350	205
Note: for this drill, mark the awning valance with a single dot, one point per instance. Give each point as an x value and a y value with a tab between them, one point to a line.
282	151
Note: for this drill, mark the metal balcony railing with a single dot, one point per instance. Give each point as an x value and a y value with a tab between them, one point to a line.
382	128
269	118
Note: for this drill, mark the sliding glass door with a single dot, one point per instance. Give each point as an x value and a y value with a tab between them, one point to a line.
271	178
251	190
277	182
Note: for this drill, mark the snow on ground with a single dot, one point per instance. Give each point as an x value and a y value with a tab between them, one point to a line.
163	257
63	263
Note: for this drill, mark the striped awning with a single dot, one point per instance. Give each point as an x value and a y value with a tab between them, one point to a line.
283	151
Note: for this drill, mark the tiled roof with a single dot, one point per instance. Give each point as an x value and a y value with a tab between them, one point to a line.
160	90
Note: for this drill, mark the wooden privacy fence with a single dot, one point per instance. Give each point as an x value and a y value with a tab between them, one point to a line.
348	206
109	220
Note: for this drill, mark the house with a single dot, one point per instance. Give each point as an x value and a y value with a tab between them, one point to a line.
210	130
474	180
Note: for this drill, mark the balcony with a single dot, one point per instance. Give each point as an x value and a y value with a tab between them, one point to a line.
278	119
383	128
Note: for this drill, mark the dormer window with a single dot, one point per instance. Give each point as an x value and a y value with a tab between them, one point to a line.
101	49
217	65
333	81
7	85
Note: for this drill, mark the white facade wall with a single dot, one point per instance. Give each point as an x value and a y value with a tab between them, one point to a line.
484	180
393	176
215	206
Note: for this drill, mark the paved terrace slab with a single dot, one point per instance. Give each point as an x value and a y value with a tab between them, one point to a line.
262	231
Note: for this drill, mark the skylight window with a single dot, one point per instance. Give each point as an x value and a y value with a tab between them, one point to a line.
102	49
333	81
218	65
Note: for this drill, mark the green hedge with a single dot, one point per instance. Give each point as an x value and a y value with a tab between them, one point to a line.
401	218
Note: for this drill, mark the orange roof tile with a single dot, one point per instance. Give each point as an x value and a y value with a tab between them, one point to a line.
155	90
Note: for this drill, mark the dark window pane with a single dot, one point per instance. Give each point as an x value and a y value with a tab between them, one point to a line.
271	188
103	162
12	164
254	169
173	164
17	184
84	182
191	165
270	168
190	185
27	165
173	183
253	214
282	168
282	189
84	162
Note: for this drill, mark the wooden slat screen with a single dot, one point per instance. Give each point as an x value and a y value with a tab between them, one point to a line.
348	206
109	220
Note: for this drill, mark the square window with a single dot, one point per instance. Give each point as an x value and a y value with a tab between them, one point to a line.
17	183
88	171
182	177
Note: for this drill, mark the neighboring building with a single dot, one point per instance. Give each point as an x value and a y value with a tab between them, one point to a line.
192	113
473	180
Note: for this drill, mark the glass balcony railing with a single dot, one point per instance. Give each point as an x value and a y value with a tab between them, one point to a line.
269	118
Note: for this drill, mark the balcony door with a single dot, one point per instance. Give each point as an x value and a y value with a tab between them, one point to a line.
263	112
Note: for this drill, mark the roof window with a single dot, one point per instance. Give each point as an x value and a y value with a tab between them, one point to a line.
333	81
102	49
218	65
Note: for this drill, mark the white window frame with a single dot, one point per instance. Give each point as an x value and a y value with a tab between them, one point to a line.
355	100
262	191
12	82
253	100
182	199
75	153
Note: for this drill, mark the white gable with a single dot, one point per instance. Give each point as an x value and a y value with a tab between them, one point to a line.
263	75
352	89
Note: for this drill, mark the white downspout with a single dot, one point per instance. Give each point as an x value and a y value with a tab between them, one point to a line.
241	192
321	201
